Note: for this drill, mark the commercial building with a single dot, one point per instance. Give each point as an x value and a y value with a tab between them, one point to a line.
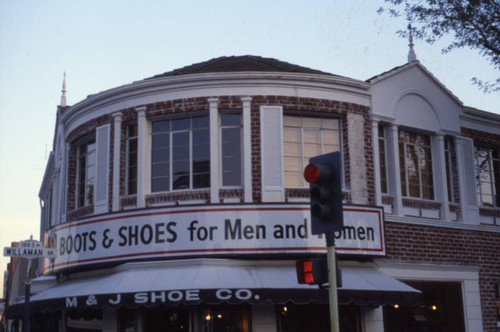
177	203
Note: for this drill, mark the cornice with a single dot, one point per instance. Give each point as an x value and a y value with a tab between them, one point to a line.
138	92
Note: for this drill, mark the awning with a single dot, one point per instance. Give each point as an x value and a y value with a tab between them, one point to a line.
215	281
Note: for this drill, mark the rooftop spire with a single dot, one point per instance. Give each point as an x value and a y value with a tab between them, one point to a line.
411	54
63	96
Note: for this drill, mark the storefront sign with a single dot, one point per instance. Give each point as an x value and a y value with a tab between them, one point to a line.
208	230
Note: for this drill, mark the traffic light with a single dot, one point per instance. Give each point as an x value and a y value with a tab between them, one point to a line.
312	271
323	175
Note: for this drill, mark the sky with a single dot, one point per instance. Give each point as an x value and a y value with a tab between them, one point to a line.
102	44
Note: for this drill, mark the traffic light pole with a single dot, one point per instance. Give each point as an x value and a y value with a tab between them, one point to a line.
332	281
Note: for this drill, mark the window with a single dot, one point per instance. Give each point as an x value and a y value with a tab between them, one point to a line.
231	148
180	154
382	159
132	159
451	169
415	165
487	176
303	138
86	173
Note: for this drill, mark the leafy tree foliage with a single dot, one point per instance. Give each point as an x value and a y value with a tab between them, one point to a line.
472	23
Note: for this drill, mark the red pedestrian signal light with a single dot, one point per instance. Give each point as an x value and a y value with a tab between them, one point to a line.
324	176
312	271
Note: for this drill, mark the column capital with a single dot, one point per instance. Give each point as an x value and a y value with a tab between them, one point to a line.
141	110
117	116
213	100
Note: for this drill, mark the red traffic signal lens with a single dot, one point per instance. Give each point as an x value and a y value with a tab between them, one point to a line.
311	173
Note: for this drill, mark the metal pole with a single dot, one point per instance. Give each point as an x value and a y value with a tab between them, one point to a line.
26	321
27	293
332	281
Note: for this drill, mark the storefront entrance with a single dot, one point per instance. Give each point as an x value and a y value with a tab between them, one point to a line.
441	310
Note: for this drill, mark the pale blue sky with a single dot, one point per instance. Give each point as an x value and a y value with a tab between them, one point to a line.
108	43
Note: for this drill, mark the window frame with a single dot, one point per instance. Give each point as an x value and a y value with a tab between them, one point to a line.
419	147
493	175
86	197
221	128
131	170
171	145
383	161
322	145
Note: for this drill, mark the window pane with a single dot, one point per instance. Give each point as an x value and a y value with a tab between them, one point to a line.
293	179
160	184
291	121
330	124
161	126
311	122
160	155
159	170
312	136
312	150
291	135
181	124
180	153
201	122
231	135
160	140
331	137
294	164
327	148
201	136
201	180
180	139
230	119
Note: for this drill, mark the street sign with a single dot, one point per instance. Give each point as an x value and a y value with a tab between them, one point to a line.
30	249
30	253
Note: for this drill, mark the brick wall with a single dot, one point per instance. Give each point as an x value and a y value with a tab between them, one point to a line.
435	245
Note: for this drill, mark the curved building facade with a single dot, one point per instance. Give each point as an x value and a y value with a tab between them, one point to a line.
177	203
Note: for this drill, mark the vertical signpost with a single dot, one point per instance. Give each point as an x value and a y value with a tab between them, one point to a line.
324	177
28	249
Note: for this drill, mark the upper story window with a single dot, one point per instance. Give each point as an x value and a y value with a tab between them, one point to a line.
382	148
415	155
131	171
303	138
180	154
85	178
231	131
487	176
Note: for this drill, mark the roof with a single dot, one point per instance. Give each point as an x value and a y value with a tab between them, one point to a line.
415	63
245	63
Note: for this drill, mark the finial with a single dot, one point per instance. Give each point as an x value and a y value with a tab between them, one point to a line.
411	54
63	96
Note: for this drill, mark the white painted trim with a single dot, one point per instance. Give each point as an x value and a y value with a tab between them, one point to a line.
214	149
102	169
272	146
376	163
440	185
116	160
247	150
143	157
394	167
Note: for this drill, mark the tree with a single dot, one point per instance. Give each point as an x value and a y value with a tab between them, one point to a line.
473	23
